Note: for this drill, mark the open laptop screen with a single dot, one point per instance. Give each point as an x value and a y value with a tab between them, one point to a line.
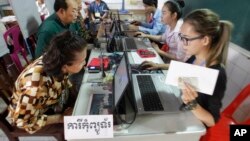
121	80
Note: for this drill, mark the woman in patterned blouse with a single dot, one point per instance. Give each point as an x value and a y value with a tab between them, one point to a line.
41	93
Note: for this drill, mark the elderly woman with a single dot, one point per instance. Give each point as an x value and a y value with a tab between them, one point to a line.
41	95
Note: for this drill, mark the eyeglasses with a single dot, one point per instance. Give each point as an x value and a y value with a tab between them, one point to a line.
185	40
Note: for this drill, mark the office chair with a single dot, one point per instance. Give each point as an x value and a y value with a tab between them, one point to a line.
221	130
13	132
15	33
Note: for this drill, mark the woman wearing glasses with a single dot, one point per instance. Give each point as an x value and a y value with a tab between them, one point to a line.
171	14
205	37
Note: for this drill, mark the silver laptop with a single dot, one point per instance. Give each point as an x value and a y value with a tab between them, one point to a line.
132	44
123	25
152	95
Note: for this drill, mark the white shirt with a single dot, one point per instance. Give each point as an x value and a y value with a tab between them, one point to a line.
84	7
42	9
171	38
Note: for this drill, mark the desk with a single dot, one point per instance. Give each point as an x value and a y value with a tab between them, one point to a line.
146	127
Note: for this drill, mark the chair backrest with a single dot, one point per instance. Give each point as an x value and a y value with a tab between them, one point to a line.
234	106
221	131
17	37
18	45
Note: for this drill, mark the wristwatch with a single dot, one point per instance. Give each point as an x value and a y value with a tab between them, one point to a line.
189	106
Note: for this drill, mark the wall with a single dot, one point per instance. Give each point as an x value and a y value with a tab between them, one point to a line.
27	16
3	47
4	2
130	4
238	72
238	12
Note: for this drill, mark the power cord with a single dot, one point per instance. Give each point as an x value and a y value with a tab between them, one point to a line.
128	123
125	121
136	70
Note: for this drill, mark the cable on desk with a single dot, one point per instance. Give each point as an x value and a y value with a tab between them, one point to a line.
124	121
135	70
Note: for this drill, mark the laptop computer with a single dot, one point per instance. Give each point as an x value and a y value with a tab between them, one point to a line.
124	26
153	96
113	41
132	43
121	81
108	103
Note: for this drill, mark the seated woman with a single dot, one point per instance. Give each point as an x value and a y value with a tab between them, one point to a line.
205	37
155	27
41	97
171	14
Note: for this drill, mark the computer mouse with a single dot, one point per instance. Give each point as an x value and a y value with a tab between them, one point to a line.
143	66
137	35
133	22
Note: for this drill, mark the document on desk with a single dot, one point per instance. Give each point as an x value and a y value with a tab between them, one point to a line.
201	78
88	127
138	60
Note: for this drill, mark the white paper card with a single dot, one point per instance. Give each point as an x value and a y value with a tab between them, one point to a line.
88	127
203	78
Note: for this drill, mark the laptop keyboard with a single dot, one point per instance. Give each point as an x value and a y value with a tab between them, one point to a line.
150	98
130	42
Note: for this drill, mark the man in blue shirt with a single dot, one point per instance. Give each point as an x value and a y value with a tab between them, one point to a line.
155	27
98	10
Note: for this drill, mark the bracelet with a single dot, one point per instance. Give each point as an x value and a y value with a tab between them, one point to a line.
190	105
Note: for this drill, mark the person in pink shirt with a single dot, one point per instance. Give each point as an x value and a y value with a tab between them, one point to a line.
171	14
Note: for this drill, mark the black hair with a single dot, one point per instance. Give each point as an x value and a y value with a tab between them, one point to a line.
60	4
62	51
175	6
151	2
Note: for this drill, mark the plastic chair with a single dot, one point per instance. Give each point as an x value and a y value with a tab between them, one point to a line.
15	33
13	132
221	131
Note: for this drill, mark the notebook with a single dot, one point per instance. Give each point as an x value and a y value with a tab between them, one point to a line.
152	96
